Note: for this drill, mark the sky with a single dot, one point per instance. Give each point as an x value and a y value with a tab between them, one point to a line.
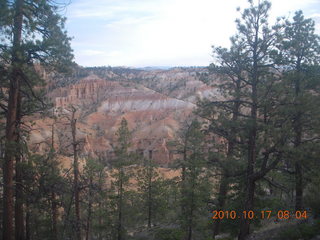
141	33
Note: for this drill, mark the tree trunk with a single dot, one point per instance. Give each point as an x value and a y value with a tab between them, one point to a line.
298	166
54	209
19	211
250	181
297	142
11	123
190	217
100	205
245	222
222	195
99	219
250	188
299	186
28	232
149	193
89	209
184	184
76	174
120	204
54	217
224	183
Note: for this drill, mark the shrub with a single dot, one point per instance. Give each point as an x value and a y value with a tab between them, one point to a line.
168	234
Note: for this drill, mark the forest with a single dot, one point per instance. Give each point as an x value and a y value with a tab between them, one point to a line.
247	161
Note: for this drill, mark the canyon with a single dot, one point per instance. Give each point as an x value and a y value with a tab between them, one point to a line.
156	104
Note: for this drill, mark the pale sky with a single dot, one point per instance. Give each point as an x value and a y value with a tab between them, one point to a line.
139	33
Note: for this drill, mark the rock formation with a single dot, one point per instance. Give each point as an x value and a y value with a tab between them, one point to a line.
155	104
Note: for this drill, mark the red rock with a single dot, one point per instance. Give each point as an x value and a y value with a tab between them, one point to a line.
155	107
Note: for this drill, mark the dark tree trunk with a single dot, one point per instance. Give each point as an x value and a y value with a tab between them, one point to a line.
54	209
250	180
224	183
100	205
89	209
19	211
299	186
28	232
120	195
76	174
245	222
149	192
99	220
297	142
222	195
54	217
184	184
11	123
192	206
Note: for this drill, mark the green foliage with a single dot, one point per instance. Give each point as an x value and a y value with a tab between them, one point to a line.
194	187
44	39
300	44
300	231
41	178
313	195
120	196
169	234
94	196
267	115
44	46
33	39
123	143
300	51
151	190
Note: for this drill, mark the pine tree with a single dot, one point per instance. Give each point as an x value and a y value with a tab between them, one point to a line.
147	177
76	189
41	179
256	102
151	192
121	175
32	34
225	124
54	207
193	184
299	52
94	179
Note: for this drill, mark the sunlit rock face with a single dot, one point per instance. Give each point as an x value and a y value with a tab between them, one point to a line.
155	103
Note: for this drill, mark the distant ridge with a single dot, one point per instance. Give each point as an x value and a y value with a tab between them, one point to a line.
151	68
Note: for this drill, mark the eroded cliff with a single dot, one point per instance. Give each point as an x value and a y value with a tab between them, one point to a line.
155	104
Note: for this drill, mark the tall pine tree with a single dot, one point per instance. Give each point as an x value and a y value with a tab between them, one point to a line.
249	116
299	52
121	174
32	33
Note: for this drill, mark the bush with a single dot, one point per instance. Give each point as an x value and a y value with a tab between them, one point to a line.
313	196
301	231
168	234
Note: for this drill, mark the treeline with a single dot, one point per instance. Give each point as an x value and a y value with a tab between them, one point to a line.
267	119
253	148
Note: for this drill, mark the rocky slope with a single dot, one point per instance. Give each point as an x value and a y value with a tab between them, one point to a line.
155	103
